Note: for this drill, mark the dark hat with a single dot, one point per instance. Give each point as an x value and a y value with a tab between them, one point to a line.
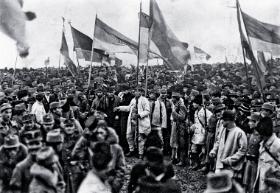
28	117
5	106
54	105
219	182
69	122
47	155
48	119
11	141
255	116
54	136
198	100
268	106
154	154
22	93
265	126
228	115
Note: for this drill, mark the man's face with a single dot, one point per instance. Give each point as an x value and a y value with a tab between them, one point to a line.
226	123
58	111
34	146
48	126
12	152
110	94
137	93
152	96
195	105
99	94
28	124
252	124
174	100
6	114
101	134
265	113
219	114
69	129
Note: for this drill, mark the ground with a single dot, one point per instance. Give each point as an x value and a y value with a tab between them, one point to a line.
190	181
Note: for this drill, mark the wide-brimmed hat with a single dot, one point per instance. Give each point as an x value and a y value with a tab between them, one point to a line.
20	107
54	105
11	141
219	182
219	107
268	106
175	94
28	117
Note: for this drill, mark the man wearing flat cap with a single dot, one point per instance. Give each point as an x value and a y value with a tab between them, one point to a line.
231	146
56	112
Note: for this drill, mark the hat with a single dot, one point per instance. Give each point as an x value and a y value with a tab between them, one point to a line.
228	115
22	93
28	117
244	108
255	116
54	105
198	99
20	107
69	122
47	155
154	154
265	126
32	135
5	106
268	106
176	94
54	136
219	107
219	182
11	141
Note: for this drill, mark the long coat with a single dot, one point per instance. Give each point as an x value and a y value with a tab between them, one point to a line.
232	151
144	112
266	162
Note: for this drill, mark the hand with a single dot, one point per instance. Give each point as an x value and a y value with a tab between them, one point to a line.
212	155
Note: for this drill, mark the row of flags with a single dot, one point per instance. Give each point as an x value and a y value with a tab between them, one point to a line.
107	41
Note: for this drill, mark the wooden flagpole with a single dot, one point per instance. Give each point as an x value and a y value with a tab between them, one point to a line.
14	73
91	55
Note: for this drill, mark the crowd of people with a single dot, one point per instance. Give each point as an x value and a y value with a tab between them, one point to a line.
59	135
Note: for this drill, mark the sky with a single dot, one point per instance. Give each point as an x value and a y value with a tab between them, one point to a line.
208	24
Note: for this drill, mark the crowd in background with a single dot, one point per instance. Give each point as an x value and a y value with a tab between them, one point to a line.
59	134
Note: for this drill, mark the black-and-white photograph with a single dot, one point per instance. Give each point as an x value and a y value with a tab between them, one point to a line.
139	96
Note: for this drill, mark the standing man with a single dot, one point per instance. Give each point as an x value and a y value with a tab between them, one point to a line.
137	114
178	133
231	146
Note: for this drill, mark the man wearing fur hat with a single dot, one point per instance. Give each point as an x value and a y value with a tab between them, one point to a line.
45	173
11	153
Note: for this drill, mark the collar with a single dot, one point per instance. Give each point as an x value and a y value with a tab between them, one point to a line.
270	141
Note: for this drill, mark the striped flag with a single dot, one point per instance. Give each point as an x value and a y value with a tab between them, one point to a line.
83	47
67	60
170	47
263	36
112	41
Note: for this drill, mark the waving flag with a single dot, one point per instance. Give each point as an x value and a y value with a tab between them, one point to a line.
263	36
144	38
201	54
170	47
67	60
109	39
83	47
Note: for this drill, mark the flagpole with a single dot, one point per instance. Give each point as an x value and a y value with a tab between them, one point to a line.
243	53
14	73
257	72
149	40
91	55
